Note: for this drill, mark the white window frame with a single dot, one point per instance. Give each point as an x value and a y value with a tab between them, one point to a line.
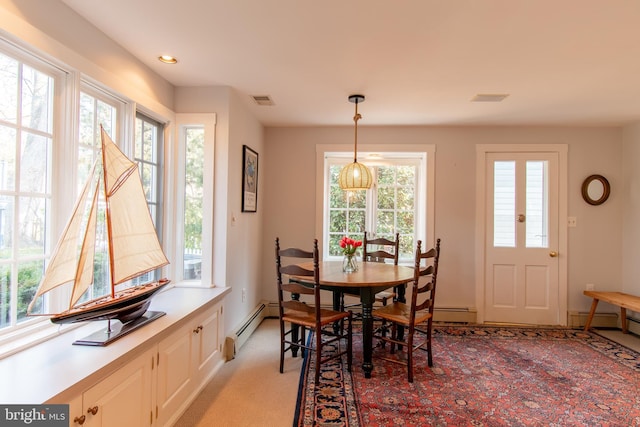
176	198
18	336
370	154
159	216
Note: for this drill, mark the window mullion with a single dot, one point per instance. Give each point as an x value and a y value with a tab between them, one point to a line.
372	203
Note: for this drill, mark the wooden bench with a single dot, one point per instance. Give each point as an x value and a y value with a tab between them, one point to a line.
625	301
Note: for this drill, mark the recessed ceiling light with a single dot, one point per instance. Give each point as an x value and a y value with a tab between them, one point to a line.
167	59
489	97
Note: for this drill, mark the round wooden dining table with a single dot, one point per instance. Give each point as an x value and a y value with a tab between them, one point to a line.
369	279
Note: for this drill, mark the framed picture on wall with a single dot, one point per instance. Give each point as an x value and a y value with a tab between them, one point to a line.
249	179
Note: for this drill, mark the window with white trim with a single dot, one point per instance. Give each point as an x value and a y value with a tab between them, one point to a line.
97	108
396	202
193	159
193	199
29	104
148	153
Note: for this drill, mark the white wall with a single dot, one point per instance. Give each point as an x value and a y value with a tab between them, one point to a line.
631	209
595	245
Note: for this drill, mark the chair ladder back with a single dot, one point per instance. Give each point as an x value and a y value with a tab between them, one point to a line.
293	287
416	317
379	255
295	253
301	317
297	288
430	286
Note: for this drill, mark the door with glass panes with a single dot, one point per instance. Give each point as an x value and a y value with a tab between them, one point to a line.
521	264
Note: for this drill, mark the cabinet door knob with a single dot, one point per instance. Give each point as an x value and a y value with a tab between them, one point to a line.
80	419
93	410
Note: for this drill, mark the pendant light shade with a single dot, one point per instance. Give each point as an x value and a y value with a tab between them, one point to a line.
355	176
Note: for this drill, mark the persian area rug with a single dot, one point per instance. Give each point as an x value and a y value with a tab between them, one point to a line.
483	376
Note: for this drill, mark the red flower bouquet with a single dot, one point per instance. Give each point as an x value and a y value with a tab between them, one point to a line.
349	245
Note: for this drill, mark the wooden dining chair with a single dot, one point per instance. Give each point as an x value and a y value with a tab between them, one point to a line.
417	316
378	250
301	316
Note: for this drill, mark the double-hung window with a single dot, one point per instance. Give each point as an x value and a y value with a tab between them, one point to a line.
29	94
97	108
148	153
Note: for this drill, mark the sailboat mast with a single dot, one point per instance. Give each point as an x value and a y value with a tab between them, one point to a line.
107	214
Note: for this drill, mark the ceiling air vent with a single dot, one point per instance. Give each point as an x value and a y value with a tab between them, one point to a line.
489	97
262	99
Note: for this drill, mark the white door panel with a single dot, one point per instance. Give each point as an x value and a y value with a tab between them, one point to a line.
521	271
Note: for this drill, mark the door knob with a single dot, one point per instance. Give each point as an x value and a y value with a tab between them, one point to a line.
521	218
553	254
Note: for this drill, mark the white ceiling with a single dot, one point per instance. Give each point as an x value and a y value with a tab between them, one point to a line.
418	62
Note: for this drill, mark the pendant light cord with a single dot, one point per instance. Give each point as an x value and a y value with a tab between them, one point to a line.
355	119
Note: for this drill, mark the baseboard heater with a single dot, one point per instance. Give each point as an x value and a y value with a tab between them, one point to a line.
234	342
441	314
633	324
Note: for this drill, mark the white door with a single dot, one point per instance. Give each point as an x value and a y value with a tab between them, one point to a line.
522	238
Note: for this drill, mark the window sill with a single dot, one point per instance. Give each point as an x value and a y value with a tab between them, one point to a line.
31	335
43	330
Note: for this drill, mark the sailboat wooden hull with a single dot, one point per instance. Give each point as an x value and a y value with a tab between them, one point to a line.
125	306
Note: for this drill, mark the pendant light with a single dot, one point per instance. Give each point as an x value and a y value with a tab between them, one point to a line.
355	176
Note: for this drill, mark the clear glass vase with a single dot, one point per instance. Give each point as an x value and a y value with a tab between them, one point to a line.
350	263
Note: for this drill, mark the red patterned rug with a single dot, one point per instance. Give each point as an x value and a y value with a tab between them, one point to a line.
483	376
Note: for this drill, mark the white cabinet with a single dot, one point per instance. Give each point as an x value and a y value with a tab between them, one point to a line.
208	343
121	399
155	388
187	360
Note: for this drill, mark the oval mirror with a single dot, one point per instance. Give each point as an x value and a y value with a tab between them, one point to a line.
595	189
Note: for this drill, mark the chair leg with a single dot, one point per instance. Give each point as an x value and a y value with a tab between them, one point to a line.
349	343
429	355
318	353
281	347
383	327
302	340
410	355
392	350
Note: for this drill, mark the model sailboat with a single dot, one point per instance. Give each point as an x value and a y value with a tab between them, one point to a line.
131	243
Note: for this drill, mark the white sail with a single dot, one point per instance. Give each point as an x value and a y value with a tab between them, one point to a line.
63	265
135	248
84	273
